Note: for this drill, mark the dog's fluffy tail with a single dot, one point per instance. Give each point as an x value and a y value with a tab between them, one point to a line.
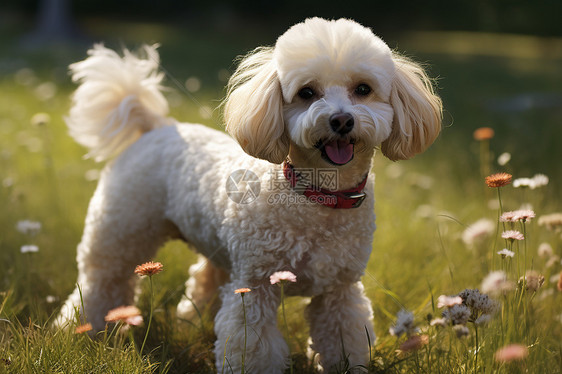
119	99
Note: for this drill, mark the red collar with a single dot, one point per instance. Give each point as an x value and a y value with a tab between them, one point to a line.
344	199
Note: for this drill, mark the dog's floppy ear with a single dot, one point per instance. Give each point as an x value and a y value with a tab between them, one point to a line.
253	108
417	112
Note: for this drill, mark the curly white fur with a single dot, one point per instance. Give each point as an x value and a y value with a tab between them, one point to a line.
170	183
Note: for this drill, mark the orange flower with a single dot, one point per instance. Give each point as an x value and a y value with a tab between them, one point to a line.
242	290
128	314
414	343
559	285
149	268
498	180
512	352
483	133
83	328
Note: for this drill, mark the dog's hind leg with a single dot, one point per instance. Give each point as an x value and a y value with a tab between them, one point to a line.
201	289
124	228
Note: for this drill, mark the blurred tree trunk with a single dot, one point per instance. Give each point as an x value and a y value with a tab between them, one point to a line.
54	19
54	25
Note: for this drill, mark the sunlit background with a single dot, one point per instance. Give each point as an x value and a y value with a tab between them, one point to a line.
496	64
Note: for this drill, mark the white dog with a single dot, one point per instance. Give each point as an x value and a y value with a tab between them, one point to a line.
306	117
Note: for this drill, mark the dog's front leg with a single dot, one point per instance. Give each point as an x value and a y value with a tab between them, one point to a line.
247	333
339	322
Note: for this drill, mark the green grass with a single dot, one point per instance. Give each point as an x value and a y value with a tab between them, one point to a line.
416	257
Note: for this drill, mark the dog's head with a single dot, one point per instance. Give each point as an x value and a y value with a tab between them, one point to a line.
334	89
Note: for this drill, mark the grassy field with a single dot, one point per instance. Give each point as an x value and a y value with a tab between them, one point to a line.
424	206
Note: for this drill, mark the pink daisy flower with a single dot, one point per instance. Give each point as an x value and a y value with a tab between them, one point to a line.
524	215
512	352
279	276
512	235
130	315
507	217
448	301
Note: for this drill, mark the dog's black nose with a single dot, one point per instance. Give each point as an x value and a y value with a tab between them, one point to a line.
342	123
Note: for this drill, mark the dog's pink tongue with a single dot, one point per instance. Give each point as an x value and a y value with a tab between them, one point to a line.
339	151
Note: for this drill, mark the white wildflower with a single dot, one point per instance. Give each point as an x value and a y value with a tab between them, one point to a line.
524	182
40	119
494	283
539	180
28	227
545	250
478	232
551	221
504	158
505	253
29	248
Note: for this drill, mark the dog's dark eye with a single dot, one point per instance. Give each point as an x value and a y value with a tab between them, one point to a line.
363	90
306	93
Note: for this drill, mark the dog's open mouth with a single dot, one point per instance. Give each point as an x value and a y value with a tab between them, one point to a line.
337	152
